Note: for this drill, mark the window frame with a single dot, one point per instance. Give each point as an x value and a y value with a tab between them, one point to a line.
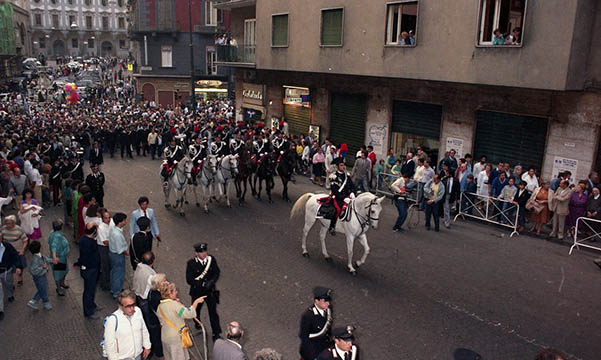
170	66
400	2
74	43
212	13
71	22
125	46
211	59
121	21
58	21
321	27
91	24
35	19
287	30
91	43
42	43
108	23
480	25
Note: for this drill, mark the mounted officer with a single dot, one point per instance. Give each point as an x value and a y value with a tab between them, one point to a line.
173	153
218	147
280	144
197	152
236	144
260	148
342	189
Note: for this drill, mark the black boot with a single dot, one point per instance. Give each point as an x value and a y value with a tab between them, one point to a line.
332	228
59	289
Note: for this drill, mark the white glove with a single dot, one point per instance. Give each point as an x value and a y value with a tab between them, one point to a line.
352	196
347	201
174	162
281	153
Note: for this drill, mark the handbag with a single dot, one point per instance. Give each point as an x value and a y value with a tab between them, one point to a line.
183	331
534	206
60	266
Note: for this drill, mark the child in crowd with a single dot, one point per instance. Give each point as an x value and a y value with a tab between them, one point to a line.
38	269
381	169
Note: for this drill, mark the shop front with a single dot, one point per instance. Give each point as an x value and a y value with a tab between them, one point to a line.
252	107
210	89
416	125
297	109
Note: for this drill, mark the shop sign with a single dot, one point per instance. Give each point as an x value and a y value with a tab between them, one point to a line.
455	144
297	96
253	93
561	164
181	86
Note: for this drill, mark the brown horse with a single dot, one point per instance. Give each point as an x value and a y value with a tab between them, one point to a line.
245	170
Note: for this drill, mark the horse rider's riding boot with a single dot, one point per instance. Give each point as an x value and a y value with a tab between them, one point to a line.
332	228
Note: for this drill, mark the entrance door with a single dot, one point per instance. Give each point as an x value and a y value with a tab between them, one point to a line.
58	47
148	91
348	114
416	125
165	98
107	48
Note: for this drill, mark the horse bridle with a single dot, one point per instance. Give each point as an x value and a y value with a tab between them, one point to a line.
365	222
231	168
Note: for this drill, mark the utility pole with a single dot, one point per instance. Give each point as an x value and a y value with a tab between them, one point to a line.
192	92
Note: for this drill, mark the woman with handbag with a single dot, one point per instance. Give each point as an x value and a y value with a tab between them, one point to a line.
539	205
175	335
59	249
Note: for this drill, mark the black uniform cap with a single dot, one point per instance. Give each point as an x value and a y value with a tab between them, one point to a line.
322	293
337	161
200	247
344	333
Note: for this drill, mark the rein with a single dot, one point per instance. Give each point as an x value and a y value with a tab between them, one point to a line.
365	221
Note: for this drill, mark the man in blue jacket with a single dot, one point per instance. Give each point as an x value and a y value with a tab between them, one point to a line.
9	263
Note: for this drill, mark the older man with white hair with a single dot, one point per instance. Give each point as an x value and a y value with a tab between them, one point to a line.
14	235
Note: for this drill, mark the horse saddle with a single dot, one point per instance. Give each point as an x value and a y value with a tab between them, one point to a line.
168	170
328	209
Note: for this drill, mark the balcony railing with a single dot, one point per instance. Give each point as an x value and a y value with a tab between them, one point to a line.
244	54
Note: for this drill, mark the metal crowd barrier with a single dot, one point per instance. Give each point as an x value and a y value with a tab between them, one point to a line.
387	180
489	209
587	224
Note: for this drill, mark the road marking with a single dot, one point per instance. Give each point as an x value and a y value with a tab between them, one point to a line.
563	277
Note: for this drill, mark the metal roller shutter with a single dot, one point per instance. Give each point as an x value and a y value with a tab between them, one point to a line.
419	119
348	114
298	119
515	139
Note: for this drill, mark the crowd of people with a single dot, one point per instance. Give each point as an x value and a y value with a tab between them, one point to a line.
46	145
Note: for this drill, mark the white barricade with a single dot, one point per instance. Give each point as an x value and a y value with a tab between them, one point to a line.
586	226
489	209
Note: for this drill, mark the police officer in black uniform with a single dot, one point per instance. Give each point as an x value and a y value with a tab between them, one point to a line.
76	168
280	144
197	152
218	147
173	154
341	187
343	348
236	144
202	274
95	181
316	325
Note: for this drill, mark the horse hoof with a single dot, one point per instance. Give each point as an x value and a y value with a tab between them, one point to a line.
229	205
353	272
167	206
197	205
306	255
357	265
329	260
206	211
182	214
186	202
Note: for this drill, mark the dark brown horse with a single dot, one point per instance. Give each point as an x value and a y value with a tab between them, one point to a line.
245	170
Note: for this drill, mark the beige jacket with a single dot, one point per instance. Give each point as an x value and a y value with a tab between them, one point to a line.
561	201
176	312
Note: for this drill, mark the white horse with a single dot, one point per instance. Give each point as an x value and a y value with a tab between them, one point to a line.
177	182
226	174
205	178
362	213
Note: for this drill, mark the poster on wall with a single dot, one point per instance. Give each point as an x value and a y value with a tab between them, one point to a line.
275	123
561	164
377	135
457	144
315	129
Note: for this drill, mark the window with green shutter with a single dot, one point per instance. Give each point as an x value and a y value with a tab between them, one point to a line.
331	27
279	30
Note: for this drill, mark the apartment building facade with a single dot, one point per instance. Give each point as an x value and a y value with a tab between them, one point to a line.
79	27
435	74
161	32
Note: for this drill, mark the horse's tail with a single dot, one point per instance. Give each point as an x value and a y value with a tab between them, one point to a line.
299	205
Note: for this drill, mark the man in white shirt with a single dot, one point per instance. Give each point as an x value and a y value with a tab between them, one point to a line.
125	334
530	179
478	167
141	282
102	240
36	181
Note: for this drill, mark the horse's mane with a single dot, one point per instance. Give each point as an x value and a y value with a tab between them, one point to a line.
366	195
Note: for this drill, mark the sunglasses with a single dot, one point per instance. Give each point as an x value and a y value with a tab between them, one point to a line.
129	306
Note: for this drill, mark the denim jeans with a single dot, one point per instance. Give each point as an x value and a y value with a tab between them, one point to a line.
432	211
41	284
401	206
117	272
508	213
